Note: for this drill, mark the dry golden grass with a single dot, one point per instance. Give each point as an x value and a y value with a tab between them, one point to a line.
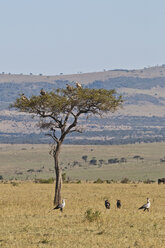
25	221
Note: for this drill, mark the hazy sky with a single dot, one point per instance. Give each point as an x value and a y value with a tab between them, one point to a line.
70	36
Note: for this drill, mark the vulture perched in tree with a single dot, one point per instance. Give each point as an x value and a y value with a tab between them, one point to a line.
107	204
78	85
42	92
23	97
70	88
146	206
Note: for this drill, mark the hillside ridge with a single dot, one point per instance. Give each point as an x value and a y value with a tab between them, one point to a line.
141	119
85	78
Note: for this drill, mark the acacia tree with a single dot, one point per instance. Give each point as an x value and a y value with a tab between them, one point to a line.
59	112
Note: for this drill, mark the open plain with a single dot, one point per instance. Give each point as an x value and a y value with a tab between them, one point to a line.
85	222
135	162
26	221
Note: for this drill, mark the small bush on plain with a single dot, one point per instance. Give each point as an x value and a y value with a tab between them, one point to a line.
91	215
148	181
99	181
125	180
49	180
14	184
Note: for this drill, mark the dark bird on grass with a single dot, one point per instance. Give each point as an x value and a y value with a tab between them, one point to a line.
59	206
78	85
146	206
107	204
42	92
118	204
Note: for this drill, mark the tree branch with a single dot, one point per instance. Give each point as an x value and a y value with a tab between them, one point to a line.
43	115
76	130
67	117
53	137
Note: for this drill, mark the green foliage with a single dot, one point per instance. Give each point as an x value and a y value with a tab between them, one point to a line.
123	160
125	180
148	181
64	177
64	101
44	241
101	161
117	160
113	161
162	160
84	157
59	110
31	170
110	181
48	181
93	161
99	181
137	157
14	184
92	216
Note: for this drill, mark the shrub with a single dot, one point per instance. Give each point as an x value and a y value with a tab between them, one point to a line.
162	160
31	170
68	180
14	184
148	181
49	180
113	161
93	161
92	216
101	161
137	157
75	163
109	181
123	160
84	157
1	177
99	181
125	180
64	177
19	173
44	241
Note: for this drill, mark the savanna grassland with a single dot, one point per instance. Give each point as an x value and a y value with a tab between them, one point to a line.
26	221
34	161
24	206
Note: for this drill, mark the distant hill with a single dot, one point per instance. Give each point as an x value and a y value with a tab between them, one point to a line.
141	120
85	78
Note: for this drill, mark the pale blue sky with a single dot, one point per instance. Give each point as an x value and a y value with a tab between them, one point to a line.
70	36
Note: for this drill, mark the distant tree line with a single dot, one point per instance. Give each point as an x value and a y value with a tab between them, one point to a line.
34	138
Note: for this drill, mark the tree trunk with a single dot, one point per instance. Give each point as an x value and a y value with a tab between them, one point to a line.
58	185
